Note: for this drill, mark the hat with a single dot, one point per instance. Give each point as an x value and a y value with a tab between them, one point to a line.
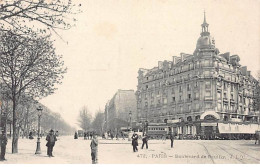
51	130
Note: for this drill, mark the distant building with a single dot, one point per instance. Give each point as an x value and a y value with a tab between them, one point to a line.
120	111
204	93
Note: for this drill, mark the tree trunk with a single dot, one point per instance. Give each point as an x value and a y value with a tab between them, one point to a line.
15	135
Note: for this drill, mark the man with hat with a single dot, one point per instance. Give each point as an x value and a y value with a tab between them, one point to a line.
51	138
94	149
3	143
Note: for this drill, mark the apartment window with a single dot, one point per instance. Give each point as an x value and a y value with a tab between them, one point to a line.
225	95
196	84
181	109
219	95
173	99
164	101
180	97
158	92
207	85
180	89
208	105
225	85
159	101
189	107
173	91
188	87
180	78
232	96
189	66
240	108
146	87
189	96
208	93
232	87
240	99
146	104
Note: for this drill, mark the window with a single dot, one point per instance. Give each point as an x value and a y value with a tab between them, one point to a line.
232	87
208	93
164	101
173	99
146	87
173	91
225	95
196	84
189	96
232	96
159	101
208	105
219	95
188	76
240	99
188	87
189	107
207	85
181	108
180	89
180	97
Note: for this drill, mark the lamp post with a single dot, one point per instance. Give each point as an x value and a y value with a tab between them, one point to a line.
38	148
130	116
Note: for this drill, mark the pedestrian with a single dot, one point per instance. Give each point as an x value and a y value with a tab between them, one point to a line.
94	149
135	141
51	138
171	138
112	136
123	135
3	142
76	135
145	141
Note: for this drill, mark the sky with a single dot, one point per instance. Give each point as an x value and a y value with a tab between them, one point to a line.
112	39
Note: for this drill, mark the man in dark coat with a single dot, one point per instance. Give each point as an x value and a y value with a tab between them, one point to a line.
135	141
3	142
51	138
145	141
94	149
171	138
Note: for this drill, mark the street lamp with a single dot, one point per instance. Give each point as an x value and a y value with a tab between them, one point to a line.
38	148
130	116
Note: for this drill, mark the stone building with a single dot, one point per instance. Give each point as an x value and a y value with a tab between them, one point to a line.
120	111
201	93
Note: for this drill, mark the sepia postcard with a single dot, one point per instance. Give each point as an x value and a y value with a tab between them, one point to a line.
129	82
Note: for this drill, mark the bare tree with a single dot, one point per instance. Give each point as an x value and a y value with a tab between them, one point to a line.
84	120
28	66
23	14
98	122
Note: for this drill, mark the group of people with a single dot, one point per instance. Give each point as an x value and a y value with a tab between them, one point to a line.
145	141
51	139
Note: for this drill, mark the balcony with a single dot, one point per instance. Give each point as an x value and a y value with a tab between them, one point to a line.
181	101
208	98
225	99
232	101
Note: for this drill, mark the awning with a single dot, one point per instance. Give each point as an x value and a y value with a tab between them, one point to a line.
236	128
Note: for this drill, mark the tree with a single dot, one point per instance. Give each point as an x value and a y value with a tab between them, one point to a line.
98	122
23	15
28	66
84	120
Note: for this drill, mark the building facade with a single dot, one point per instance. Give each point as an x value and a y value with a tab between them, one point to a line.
120	111
201	93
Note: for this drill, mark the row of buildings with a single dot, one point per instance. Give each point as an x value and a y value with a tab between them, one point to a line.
204	93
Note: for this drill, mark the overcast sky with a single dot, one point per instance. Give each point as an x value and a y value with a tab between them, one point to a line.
114	38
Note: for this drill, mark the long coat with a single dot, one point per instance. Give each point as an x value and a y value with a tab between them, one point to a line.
49	142
135	140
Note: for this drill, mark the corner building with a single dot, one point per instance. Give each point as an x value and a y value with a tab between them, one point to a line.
205	93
